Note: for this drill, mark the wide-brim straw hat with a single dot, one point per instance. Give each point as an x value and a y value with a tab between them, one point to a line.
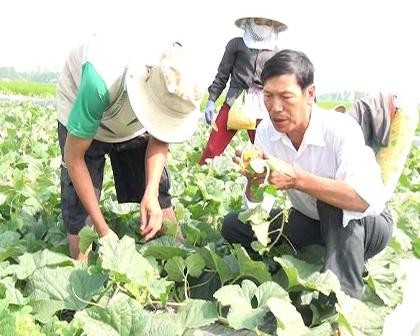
279	25
166	97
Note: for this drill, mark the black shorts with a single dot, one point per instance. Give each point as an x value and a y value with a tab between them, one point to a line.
128	167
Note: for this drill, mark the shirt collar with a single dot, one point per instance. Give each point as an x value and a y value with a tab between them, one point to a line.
313	134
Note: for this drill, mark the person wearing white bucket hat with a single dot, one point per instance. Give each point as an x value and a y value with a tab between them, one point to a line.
242	63
131	111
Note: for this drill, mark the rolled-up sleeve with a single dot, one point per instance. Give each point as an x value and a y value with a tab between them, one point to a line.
357	167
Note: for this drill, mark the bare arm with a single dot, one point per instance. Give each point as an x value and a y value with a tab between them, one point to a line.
74	156
333	192
151	212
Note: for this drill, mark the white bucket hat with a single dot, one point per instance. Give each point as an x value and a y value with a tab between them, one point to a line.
280	26
166	97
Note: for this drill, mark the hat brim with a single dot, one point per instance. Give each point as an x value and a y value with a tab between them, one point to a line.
156	119
280	26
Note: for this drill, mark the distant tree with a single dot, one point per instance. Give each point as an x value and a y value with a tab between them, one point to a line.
8	72
43	76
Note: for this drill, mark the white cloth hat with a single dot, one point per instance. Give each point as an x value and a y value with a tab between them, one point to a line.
280	26
166	97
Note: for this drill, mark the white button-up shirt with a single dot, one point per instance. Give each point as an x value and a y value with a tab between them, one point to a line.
333	147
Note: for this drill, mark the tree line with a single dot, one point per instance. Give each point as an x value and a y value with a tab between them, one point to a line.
43	76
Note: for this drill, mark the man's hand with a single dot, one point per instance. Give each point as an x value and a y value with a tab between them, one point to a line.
241	160
281	166
246	168
282	174
284	178
151	217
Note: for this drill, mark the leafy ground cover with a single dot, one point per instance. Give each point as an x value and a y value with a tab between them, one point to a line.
164	287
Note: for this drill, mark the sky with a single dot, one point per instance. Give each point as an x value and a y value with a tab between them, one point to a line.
367	45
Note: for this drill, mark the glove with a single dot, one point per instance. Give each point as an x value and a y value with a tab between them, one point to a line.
209	112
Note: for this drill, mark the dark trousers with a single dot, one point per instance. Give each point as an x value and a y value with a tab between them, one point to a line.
127	161
219	139
347	248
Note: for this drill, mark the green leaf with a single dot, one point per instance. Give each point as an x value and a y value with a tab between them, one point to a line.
192	234
87	236
321	330
215	262
289	321
44	310
261	232
249	268
258	247
25	324
7	320
5	269
175	267
256	215
357	317
325	282
382	278
195	264
196	314
119	258
400	241
12	294
204	286
9	245
29	262
211	188
124	316
165	247
239	299
171	228
161	324
11	251
297	271
416	246
19	323
3	198
74	287
159	289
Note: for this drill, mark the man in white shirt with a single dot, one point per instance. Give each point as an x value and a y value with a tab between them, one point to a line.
332	178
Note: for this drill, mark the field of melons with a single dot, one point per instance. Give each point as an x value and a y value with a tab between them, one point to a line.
165	287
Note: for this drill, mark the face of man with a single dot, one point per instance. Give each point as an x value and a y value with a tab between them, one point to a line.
288	105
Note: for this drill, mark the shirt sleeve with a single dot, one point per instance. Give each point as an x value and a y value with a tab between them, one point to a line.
91	102
357	167
223	72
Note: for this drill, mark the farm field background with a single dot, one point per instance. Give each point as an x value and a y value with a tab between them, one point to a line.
164	287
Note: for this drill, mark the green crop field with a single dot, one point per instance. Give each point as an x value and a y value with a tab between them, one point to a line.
42	90
165	287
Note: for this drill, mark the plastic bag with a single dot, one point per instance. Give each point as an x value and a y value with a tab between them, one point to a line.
242	113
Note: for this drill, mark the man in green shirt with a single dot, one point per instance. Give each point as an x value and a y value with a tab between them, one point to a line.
131	113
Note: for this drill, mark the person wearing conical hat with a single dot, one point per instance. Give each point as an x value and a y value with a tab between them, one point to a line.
242	63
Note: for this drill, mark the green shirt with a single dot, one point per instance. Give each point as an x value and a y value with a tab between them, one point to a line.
92	101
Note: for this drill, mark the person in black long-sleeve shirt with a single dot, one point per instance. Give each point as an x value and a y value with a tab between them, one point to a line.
242	63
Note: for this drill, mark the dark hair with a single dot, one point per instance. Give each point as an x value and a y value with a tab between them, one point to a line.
289	61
